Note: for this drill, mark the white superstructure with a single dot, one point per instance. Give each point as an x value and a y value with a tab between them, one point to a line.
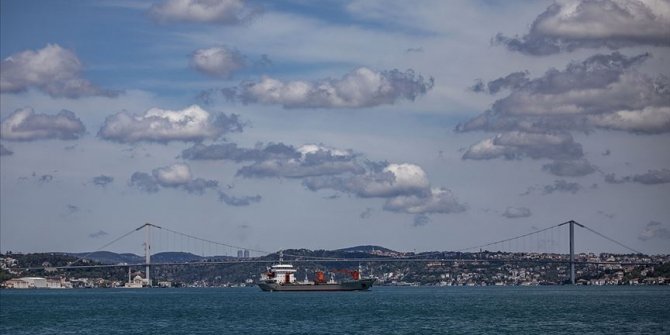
280	273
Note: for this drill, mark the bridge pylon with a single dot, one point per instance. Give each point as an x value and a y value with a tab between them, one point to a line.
572	224
147	251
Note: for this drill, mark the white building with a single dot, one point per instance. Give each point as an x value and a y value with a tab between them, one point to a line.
27	282
138	282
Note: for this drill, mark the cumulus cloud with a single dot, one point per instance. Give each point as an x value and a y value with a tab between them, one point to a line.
650	177
513	80
572	24
404	186
646	120
518	144
359	88
39	179
392	180
225	12
53	70
603	91
653	177
4	151
102	180
238	201
570	168
537	116
438	200
172	176
161	125
421	220
98	234
230	151
655	229
278	160
562	186
26	125
516	212
144	182
220	62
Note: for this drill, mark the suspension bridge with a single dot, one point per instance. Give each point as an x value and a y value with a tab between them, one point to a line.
548	240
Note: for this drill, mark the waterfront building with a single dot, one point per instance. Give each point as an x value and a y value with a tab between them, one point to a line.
26	282
137	282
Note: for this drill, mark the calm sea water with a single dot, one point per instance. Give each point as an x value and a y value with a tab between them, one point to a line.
384	310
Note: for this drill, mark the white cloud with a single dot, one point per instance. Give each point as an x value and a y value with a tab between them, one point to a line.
161	125
203	11
26	125
570	24
406	178
439	200
517	144
391	180
307	149
278	160
173	175
218	62
238	201
649	119
52	69
538	116
359	88
651	177
570	168
655	229
405	186
631	89
615	19
517	212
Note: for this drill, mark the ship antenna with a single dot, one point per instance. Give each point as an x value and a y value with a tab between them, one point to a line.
281	256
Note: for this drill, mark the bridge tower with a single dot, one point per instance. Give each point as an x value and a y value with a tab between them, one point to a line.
572	251
572	224
147	251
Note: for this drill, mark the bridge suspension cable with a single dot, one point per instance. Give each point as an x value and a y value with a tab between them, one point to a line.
610	239
206	240
236	246
107	245
510	239
323	258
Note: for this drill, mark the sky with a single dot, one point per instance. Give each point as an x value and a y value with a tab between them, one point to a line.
417	126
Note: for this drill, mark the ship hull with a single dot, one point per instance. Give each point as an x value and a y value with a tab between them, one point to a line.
354	285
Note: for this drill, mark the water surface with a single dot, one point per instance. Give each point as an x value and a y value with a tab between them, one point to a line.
383	310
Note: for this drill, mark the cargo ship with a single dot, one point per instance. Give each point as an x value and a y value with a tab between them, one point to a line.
281	277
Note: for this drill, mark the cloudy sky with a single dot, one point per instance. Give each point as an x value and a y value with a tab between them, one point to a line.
429	125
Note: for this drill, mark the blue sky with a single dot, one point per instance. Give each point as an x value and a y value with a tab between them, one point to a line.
434	125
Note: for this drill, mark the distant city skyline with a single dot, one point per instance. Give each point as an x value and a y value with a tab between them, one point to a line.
429	126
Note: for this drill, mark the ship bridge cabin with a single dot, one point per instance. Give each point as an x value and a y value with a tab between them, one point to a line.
280	274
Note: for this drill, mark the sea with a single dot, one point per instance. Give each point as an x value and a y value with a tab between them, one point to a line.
382	310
